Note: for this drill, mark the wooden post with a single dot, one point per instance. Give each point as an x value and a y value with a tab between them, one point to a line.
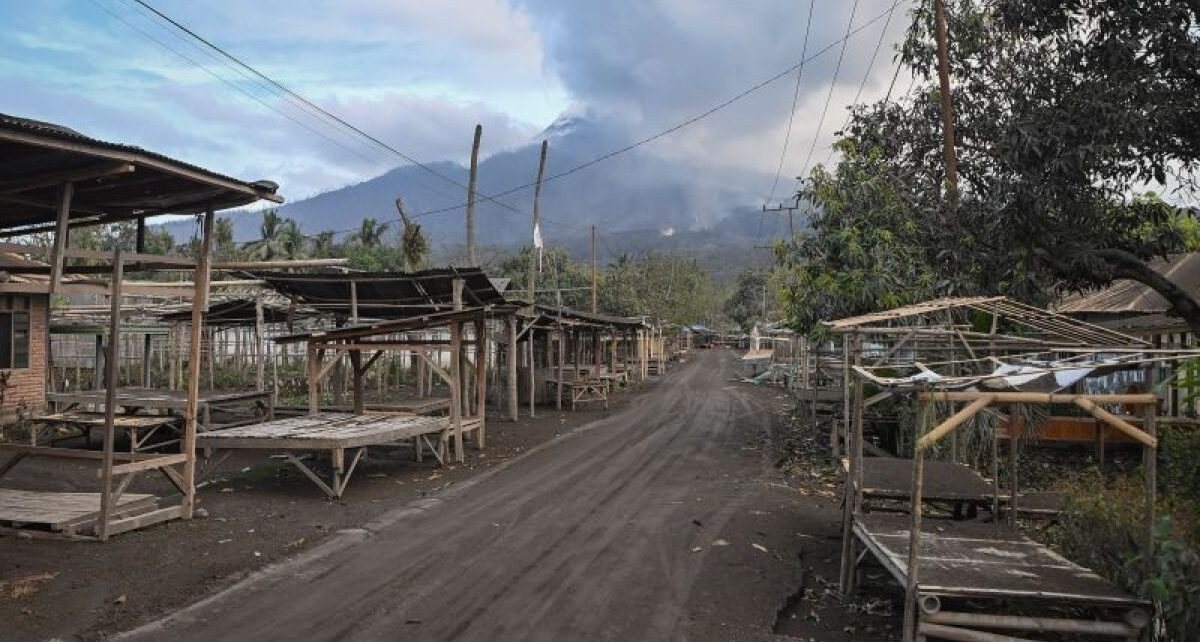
511	362
456	375
1150	468
1016	425
199	309
98	370
471	260
260	373
594	272
533	371
61	229
914	531
110	396
146	360
836	443
356	373
353	302
947	105
176	353
562	359
852	488
481	359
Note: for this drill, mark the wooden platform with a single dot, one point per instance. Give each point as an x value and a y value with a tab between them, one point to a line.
891	478
133	400
139	428
412	405
994	567
336	433
64	513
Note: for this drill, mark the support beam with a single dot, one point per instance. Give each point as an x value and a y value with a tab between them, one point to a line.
57	260
955	420
1116	422
511	361
110	397
199	309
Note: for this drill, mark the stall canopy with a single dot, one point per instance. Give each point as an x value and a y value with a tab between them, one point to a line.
385	295
109	181
240	312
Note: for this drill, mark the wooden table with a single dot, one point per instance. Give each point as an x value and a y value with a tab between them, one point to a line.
140	428
582	390
343	435
132	401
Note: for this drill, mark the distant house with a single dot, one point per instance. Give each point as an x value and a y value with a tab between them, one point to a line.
1137	310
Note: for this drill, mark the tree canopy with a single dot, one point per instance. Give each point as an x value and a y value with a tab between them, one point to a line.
1067	112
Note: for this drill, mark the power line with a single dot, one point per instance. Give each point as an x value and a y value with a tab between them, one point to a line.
316	107
833	84
867	75
795	97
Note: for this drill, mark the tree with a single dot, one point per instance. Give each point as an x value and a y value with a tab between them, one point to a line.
281	239
1065	111
370	233
748	303
559	276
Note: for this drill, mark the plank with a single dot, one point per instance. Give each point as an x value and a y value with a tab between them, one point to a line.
56	509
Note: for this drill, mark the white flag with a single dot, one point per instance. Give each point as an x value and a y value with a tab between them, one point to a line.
537	243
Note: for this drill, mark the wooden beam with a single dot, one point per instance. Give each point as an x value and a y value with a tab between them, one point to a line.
955	420
26	183
1116	422
1039	397
111	367
281	264
192	407
57	259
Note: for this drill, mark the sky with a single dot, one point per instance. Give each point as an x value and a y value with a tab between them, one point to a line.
419	75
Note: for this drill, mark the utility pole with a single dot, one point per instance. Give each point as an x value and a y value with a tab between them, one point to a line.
593	268
791	210
943	55
471	197
537	194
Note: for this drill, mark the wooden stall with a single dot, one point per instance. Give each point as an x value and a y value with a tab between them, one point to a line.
53	179
937	353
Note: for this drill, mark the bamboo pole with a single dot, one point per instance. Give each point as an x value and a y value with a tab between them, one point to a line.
481	358
954	421
1150	468
914	530
1107	417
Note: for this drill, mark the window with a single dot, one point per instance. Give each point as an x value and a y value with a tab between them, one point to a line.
14	332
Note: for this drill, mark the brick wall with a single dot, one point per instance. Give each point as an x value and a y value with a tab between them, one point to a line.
27	386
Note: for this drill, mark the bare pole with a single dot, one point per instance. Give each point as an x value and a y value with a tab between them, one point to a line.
537	194
110	396
593	268
943	55
471	197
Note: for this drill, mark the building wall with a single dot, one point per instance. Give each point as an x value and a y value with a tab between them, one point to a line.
26	387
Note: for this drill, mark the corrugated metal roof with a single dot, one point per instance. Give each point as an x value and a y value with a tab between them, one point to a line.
112	181
385	295
1130	297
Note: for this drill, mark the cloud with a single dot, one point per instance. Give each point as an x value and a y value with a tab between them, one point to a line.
652	63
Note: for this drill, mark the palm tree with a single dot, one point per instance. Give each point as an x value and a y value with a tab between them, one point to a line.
322	245
281	239
371	233
414	245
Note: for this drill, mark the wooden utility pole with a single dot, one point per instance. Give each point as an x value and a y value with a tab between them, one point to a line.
537	194
471	197
593	269
943	55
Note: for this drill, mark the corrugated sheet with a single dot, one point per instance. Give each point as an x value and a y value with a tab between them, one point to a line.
1131	297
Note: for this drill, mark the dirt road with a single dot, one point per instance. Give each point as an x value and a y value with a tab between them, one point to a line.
622	530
